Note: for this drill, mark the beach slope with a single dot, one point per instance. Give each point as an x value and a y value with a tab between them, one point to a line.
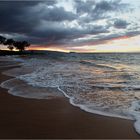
55	118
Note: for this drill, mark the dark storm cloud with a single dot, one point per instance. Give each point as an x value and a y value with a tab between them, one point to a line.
50	2
120	24
50	14
20	17
91	6
44	22
101	39
12	18
105	6
84	7
57	33
99	10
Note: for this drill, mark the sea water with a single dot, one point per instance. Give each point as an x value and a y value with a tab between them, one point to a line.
105	84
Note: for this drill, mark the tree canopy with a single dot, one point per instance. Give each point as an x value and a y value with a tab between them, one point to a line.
18	45
2	39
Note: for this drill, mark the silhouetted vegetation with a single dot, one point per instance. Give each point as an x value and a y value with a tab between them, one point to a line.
8	52
21	45
2	39
12	44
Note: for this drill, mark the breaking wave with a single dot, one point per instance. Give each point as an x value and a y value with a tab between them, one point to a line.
106	88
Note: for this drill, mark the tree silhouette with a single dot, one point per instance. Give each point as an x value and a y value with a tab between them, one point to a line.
10	43
21	45
10	47
2	39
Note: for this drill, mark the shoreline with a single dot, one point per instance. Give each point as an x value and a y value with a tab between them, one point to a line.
55	118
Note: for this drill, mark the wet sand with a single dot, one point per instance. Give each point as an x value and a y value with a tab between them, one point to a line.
55	118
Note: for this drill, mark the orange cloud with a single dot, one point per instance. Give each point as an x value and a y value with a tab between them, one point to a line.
122	43
50	48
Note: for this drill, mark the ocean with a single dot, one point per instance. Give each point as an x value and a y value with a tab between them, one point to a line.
101	83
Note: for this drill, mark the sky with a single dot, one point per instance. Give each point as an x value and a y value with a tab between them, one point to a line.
73	25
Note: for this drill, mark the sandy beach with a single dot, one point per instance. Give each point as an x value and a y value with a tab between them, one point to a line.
69	69
55	118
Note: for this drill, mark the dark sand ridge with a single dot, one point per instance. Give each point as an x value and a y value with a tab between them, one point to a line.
55	118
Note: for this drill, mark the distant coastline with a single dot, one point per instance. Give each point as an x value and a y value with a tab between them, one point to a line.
35	52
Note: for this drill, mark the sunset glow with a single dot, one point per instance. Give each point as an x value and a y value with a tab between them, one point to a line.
74	26
121	44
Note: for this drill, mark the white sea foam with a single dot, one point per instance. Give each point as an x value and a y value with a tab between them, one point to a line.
91	109
95	89
20	88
